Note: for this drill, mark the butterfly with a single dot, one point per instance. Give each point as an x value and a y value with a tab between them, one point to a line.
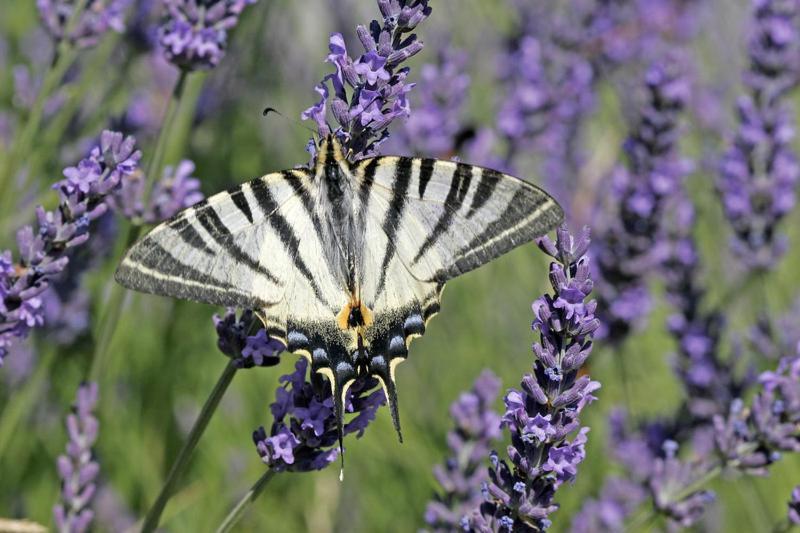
345	262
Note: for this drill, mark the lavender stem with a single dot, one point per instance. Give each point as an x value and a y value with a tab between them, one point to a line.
647	514
154	514
244	503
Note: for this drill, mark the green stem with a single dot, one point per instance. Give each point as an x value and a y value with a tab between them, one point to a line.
113	307
250	496
20	405
154	514
64	56
157	161
647	515
21	147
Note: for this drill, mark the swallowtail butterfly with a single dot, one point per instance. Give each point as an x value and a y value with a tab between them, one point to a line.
345	262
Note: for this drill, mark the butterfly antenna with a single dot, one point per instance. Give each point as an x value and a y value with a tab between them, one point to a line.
268	110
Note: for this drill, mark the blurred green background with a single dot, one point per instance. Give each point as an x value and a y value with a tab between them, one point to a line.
164	359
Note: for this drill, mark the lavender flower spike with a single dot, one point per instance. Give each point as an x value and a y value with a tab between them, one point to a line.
176	190
545	413
304	434
97	18
759	172
245	341
77	468
83	195
477	426
371	91
630	242
794	506
195	32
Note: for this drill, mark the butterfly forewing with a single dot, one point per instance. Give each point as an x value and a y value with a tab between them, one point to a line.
456	217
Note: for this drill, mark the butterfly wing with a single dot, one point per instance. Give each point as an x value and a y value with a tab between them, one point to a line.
426	221
445	218
252	246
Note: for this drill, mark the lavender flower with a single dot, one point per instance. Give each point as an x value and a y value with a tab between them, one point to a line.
619	498
176	190
194	34
304	434
669	483
631	240
477	426
77	468
543	415
435	126
44	253
710	382
97	18
370	92
550	91
759	172
245	341
794	506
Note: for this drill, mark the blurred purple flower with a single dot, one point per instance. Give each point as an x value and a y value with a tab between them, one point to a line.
43	254
630	231
176	190
462	475
98	17
618	499
711	382
245	340
194	34
670	479
77	468
370	92
794	506
543	415
759	172
772	338
304	433
549	92
436	124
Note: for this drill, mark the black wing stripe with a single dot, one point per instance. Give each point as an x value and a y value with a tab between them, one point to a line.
240	201
305	197
459	185
215	227
486	187
187	232
284	230
478	251
425	174
367	180
154	257
402	180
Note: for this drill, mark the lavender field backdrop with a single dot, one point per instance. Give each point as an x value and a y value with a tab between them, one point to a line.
637	370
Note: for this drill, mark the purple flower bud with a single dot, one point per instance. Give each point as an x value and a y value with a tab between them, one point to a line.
44	253
77	469
794	506
303	435
546	412
631	228
95	20
371	90
477	426
759	172
194	34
